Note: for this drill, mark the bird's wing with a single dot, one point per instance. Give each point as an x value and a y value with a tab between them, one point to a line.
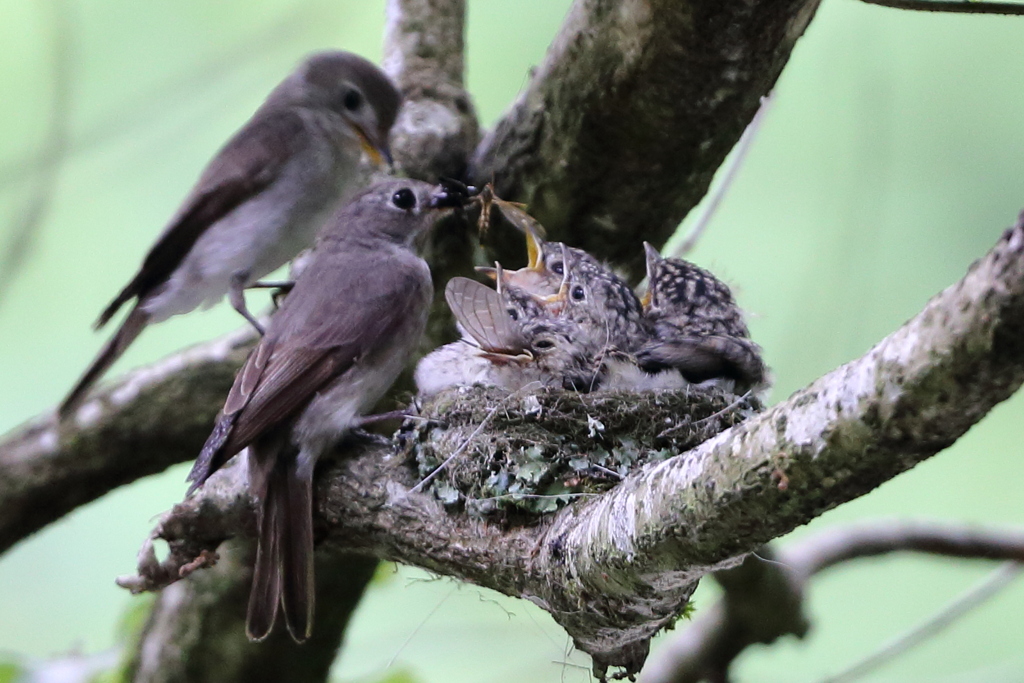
246	165
307	347
700	358
481	313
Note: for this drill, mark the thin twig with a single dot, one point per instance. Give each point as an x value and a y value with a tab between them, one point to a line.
955	6
766	598
26	228
535	496
721	412
457	452
962	605
714	199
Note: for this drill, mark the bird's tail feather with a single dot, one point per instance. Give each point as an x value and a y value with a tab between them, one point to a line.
265	595
122	339
283	575
297	552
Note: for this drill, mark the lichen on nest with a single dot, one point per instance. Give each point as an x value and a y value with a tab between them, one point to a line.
538	451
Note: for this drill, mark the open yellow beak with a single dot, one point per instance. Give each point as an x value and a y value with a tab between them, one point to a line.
534	246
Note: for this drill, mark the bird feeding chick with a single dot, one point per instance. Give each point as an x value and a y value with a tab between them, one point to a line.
338	342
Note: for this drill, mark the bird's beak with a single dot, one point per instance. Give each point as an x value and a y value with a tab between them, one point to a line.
534	250
377	149
523	356
559	299
652	257
555	303
452	194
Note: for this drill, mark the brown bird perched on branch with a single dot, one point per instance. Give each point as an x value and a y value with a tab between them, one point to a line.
697	327
338	342
262	198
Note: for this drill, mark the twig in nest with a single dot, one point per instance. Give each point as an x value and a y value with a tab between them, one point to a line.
457	452
720	413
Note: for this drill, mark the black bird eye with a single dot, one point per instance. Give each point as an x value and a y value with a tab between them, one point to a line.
557	268
352	100
404	199
543	344
512	313
578	294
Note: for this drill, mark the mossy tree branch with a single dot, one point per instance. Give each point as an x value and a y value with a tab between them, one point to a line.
636	105
616	138
615	569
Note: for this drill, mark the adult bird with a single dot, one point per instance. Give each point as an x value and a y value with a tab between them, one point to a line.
260	200
337	343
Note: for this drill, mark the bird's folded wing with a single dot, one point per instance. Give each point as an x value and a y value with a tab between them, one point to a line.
247	164
481	313
306	348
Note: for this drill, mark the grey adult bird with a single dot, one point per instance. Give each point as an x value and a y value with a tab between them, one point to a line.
262	198
697	327
337	343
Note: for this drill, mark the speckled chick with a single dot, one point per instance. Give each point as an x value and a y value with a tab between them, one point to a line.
697	327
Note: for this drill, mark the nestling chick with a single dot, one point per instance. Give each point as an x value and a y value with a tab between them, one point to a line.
697	327
500	350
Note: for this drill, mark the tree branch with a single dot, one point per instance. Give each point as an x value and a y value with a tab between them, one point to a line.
436	129
196	631
141	424
764	596
423	52
636	105
616	569
954	6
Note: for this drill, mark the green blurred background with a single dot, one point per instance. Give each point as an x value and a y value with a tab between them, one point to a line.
890	160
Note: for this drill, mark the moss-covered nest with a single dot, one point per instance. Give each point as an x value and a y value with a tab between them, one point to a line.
518	456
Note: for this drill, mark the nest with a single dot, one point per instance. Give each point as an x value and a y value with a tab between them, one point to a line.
515	457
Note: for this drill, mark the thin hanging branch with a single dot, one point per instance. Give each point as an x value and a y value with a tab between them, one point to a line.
764	596
30	222
954	6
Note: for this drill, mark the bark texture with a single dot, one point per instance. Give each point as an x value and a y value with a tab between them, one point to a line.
616	568
634	108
